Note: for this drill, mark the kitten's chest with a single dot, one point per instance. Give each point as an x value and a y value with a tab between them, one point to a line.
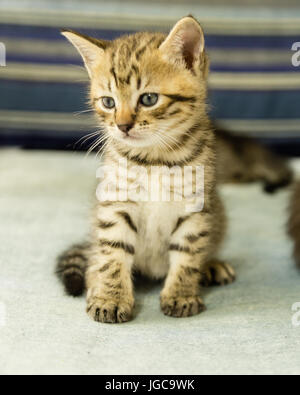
157	221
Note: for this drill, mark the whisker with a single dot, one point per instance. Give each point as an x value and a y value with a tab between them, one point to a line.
96	144
163	142
103	149
82	112
166	139
85	139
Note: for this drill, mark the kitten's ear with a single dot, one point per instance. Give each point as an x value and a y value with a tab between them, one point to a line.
185	42
89	48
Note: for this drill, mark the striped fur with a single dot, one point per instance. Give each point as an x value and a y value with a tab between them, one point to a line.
242	160
159	239
71	267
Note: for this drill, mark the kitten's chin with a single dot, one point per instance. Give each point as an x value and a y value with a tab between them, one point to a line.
133	142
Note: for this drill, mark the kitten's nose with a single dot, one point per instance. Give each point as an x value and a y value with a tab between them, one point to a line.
125	127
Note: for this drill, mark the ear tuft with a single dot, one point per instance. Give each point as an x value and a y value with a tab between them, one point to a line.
185	43
89	48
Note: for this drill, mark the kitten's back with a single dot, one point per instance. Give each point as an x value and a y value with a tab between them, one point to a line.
242	159
294	222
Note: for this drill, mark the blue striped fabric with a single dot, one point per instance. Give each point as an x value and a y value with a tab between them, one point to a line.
253	87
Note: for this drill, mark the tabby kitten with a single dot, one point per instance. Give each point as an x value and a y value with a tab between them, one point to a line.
294	222
241	159
149	94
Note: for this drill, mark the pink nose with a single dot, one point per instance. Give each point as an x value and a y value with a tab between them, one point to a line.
125	127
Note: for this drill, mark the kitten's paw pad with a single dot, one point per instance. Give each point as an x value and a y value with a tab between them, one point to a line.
109	311
182	306
219	273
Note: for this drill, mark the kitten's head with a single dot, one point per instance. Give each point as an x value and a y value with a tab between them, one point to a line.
147	88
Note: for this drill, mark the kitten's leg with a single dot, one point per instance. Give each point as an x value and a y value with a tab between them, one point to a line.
108	278
190	247
218	273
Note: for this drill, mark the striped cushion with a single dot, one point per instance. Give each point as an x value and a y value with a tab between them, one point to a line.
254	88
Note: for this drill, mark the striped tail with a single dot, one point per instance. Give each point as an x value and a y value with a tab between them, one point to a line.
294	223
71	267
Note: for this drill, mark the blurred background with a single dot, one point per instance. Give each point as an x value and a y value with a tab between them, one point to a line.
254	88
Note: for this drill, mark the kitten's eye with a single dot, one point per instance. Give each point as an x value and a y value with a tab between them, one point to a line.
149	99
108	102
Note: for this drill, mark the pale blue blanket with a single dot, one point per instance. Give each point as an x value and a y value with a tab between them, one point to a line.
44	206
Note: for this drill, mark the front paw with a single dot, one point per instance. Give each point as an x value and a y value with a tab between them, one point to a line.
110	311
181	306
218	273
